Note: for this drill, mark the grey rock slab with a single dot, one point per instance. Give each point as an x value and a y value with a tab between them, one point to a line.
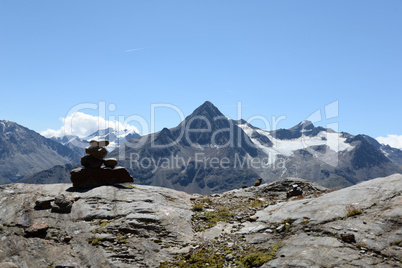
217	230
333	205
253	227
167	210
377	228
305	251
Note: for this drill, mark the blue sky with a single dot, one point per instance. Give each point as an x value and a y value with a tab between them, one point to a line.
278	58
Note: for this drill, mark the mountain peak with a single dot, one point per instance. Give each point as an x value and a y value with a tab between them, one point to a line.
306	124
208	110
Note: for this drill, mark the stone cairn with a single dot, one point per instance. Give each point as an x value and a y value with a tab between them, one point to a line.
93	174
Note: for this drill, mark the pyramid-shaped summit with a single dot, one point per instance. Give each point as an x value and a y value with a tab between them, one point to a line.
179	157
208	110
207	126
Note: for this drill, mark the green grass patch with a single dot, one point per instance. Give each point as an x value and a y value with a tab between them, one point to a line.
215	216
214	255
256	259
206	200
352	211
129	186
198	207
95	241
99	231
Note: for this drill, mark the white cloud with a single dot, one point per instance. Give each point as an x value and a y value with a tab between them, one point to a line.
81	125
392	140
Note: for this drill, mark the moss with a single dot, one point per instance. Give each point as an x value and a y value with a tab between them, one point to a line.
352	211
215	216
129	186
290	221
206	200
198	207
1	229
121	238
99	231
200	258
213	254
256	259
168	245
397	243
95	241
305	222
104	223
361	245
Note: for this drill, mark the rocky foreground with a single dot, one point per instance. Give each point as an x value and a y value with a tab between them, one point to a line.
289	223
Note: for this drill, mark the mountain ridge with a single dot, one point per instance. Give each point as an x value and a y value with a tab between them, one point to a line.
23	152
210	153
115	138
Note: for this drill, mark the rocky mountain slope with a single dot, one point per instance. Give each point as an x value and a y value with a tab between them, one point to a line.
56	174
322	155
24	152
201	155
288	223
209	153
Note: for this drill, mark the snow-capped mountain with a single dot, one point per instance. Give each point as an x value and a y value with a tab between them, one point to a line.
115	138
304	136
321	155
209	153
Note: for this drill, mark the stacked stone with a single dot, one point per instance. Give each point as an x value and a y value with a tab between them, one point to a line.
96	153
93	174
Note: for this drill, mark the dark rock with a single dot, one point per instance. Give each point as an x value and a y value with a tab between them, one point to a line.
258	182
43	203
91	177
90	161
38	229
110	162
62	204
296	191
348	238
67	239
99	143
24	219
97	152
68	265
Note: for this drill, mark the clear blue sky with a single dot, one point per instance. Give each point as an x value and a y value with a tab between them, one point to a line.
277	57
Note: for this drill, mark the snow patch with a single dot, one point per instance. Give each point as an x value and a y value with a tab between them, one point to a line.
287	147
